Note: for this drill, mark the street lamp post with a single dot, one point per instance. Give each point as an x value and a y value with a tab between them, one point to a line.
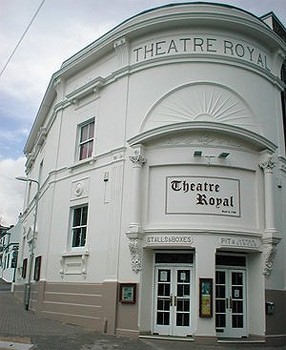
15	261
28	284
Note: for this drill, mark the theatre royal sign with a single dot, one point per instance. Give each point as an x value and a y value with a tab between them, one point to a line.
202	195
201	44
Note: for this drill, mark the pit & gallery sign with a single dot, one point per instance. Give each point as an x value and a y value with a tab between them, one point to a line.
202	195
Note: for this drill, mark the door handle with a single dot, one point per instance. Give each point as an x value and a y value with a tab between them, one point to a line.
230	303
173	300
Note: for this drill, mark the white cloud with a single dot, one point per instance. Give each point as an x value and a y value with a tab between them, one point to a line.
8	135
42	52
12	191
60	30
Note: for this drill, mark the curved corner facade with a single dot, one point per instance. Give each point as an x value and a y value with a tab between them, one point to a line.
160	155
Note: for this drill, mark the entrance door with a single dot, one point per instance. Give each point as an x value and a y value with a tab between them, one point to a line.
172	304
230	303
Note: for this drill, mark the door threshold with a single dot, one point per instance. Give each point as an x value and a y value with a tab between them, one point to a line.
240	341
166	337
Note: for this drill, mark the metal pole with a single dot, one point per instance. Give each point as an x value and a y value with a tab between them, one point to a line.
31	260
15	250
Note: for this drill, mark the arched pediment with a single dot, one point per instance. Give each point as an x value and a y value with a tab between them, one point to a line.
205	134
201	102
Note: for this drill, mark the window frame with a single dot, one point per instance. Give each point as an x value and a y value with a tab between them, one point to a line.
89	140
37	268
82	225
24	268
14	257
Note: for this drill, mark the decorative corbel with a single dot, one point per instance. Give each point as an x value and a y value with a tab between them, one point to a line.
84	263
269	253
136	253
62	269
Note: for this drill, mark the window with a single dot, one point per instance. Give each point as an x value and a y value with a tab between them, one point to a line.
24	268
37	268
79	226
170	258
86	137
14	259
40	172
230	260
8	261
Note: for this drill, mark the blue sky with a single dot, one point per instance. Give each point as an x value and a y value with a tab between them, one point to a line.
13	129
60	29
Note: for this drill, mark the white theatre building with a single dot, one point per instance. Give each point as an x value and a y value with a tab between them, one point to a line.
159	150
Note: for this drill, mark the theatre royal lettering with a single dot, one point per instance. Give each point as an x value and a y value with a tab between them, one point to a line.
202	195
201	44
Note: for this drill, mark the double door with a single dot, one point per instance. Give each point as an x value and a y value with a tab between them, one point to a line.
230	303
172	301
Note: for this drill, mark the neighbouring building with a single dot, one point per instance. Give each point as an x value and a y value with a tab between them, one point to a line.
9	245
159	151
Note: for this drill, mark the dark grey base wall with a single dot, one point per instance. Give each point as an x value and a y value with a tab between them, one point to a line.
276	322
92	305
96	306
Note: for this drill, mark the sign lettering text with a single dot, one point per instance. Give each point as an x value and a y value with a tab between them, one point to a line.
201	44
195	195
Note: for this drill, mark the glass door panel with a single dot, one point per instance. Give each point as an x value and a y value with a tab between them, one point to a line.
183	298
173	301
237	302
230	304
163	297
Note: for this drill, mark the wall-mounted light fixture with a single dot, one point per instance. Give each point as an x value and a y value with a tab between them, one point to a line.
209	158
106	176
198	153
223	155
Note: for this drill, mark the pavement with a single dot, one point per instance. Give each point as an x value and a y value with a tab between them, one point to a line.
24	330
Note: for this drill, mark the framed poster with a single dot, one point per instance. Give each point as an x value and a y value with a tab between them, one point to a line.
206	297
127	293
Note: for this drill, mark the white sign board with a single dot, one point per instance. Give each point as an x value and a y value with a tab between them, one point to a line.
202	195
183	240
240	242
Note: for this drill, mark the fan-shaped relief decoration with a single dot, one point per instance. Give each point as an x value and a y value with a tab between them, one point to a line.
201	102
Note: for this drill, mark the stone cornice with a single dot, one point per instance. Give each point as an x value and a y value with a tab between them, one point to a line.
252	137
209	14
89	88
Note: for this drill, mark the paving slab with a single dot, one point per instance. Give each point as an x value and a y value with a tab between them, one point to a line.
25	330
5	345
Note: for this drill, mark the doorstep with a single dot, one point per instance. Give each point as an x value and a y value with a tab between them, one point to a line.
241	340
165	337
